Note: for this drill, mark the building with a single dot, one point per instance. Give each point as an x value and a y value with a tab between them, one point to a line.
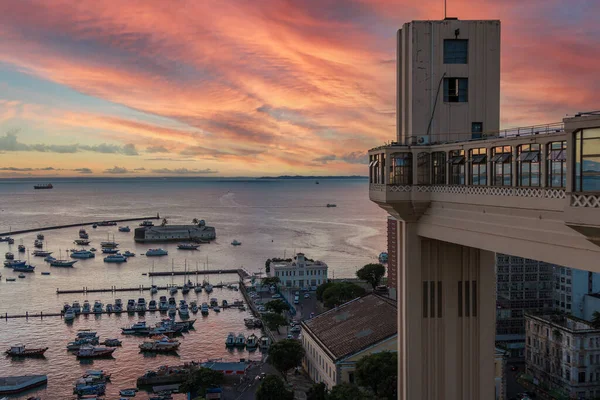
571	287
392	264
591	304
522	286
300	272
499	374
174	233
448	80
335	340
563	355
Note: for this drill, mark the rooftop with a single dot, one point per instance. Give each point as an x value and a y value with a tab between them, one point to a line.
355	325
566	322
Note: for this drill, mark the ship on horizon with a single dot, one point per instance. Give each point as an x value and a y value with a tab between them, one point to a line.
43	186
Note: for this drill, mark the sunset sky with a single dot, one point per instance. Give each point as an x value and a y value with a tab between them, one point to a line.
251	88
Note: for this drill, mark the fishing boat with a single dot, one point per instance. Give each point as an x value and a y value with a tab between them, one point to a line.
252	342
97	307
62	263
172	311
128	392
38	244
240	340
95	352
139	328
49	258
80	342
43	186
76	307
115	258
110	250
264	342
162	304
24	268
109	308
162	345
19	350
214	302
198	287
217	309
208	288
109	244
21	248
153	289
9	256
131	305
94	225
194	307
141	305
87	333
230	341
112	342
173	290
83	234
152	305
204	309
82	254
7	239
17	384
69	315
118	307
184	311
236	243
188	246
224	303
86	309
124	229
128	254
146	223
156	252
329	205
82	242
14	263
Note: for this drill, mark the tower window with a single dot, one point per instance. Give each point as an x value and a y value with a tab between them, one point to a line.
456	51
456	90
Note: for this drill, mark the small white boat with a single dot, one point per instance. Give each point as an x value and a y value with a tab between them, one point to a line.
156	252
236	243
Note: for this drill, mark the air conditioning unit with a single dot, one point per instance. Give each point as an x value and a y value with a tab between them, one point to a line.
422	140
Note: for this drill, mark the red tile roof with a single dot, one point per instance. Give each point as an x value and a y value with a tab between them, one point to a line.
355	325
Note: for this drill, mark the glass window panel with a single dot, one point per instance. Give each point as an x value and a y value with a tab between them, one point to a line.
591	133
479	159
456	51
591	146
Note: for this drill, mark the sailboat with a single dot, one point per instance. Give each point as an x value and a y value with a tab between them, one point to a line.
197	288
207	286
153	288
185	288
60	262
173	289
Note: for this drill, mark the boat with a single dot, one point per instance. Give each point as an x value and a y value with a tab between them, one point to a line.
21	275
110	250
62	263
252	342
264	342
194	307
316	182
172	311
24	268
19	350
153	289
236	243
331	205
69	315
204	309
45	273
109	244
82	242
112	342
208	288
240	340
87	333
49	258
188	246
94	225
156	252
97	307
83	389
184	311
109	308
124	229
83	234
217	309
10	279
38	244
128	254
6	239
214	302
230	341
128	392
76	307
43	186
165	375
106	223
78	343
141	305
162	345
118	307
146	223
131	305
383	257
162	304
115	258
9	256
139	328
93	249
21	248
17	384
82	254
152	305
173	290
86	309
14	263
224	303
185	289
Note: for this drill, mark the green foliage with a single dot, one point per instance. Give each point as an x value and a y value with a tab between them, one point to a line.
268	266
199	379
273	388
371	273
340	293
274	320
317	391
379	372
277	306
285	355
348	391
195	221
321	288
270	280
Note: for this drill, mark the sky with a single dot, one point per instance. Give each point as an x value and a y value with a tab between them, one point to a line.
251	88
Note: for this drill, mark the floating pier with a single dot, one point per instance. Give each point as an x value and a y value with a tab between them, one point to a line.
48	228
240	272
140	288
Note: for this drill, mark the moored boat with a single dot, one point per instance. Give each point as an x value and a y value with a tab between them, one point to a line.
14	263
128	254
95	352
21	248
152	305
156	252
124	229
236	243
43	186
162	345
24	268
204	309
115	258
97	307
19	350
69	315
86	309
9	256
146	223
62	263
83	234
112	342
230	341
240	340
106	223
17	384
38	243
141	305
383	257
188	246
41	253
82	242
82	254
40	236
109	244
251	342
128	392
139	328
110	250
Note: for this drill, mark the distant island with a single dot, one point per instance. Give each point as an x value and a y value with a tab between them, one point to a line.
314	177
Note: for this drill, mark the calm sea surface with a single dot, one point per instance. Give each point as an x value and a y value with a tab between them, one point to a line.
271	218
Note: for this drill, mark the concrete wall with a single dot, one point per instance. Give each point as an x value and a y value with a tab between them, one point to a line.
317	363
420	71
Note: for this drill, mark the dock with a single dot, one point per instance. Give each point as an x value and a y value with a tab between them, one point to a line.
238	271
48	228
140	288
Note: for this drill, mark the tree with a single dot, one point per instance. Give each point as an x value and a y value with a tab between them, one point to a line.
199	379
270	280
277	306
596	320
317	391
379	372
195	221
164	222
371	273
347	391
274	321
268	266
273	388
285	355
340	293
322	287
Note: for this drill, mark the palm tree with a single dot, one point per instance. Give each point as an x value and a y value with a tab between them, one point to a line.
596	320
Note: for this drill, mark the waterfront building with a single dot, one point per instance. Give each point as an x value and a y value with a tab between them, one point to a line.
563	355
336	340
174	233
300	272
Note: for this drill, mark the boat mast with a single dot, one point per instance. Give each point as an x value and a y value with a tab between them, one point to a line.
196	273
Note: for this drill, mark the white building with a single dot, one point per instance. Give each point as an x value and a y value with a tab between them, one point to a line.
300	272
563	355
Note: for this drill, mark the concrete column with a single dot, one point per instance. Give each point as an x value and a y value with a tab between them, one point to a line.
446	317
543	165
514	165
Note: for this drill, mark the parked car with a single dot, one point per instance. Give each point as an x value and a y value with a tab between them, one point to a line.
296	329
307	295
276	296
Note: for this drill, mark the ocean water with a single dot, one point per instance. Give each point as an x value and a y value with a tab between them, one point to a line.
272	218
